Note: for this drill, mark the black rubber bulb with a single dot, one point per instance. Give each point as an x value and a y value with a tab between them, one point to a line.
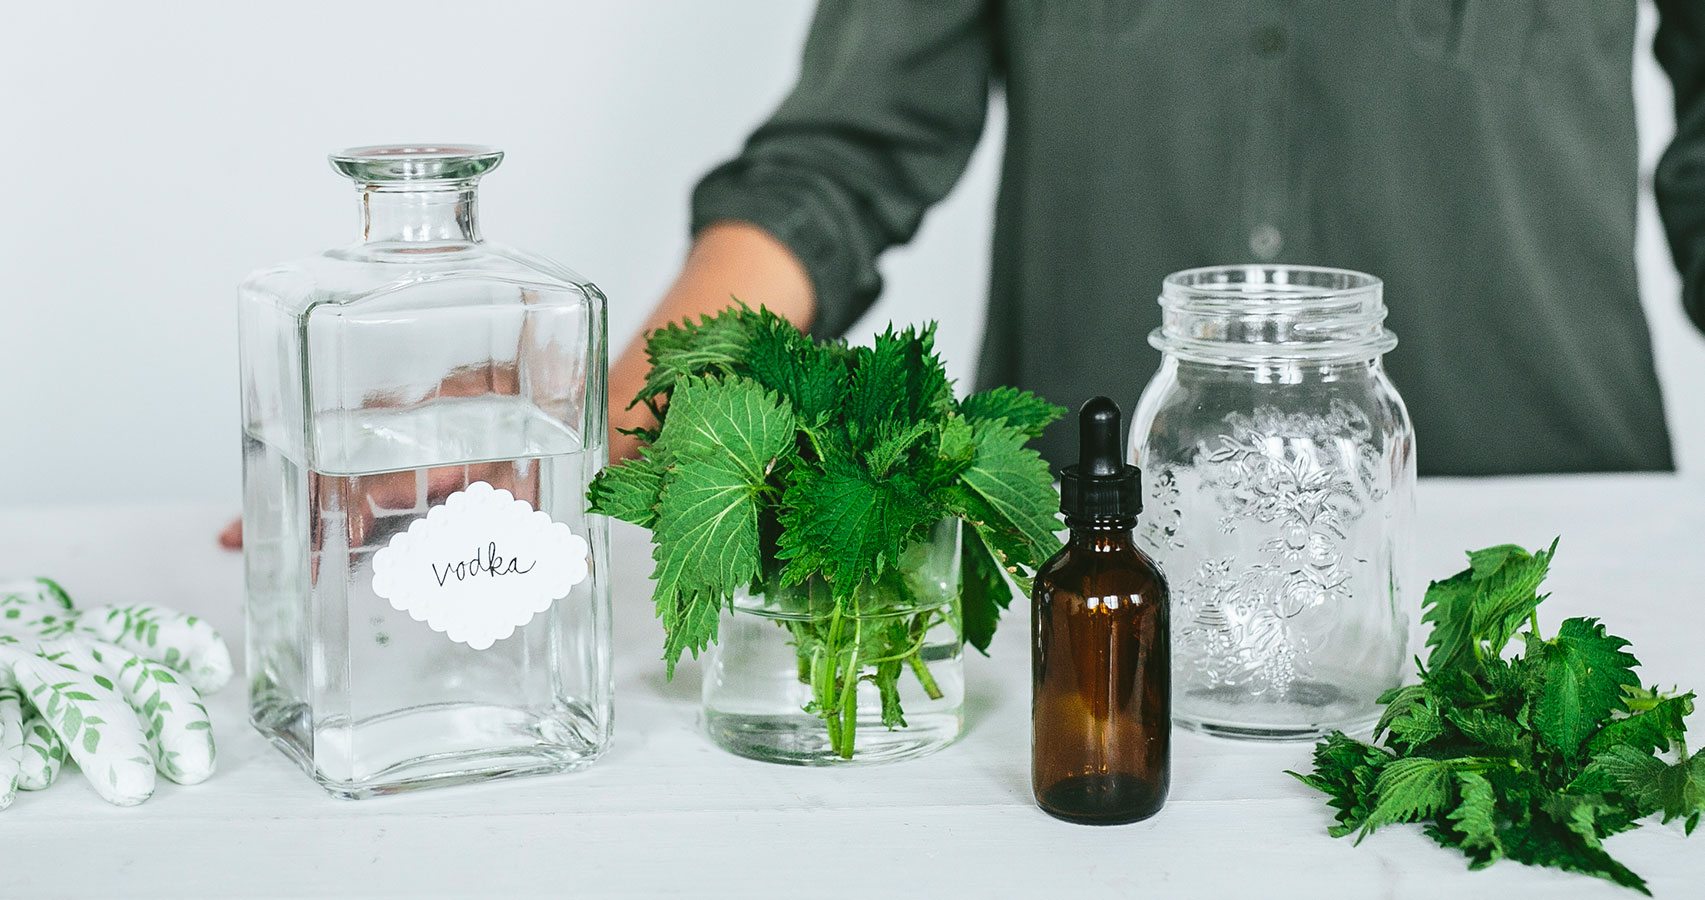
1100	484
1098	439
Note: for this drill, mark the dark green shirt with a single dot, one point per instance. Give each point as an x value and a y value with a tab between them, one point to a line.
1479	155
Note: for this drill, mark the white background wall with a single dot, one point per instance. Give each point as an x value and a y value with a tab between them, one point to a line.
155	153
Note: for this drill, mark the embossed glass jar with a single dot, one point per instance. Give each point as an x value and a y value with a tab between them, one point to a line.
1280	466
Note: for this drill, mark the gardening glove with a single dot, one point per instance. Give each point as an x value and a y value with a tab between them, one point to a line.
117	689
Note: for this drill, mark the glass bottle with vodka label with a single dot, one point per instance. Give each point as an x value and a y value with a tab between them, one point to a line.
427	598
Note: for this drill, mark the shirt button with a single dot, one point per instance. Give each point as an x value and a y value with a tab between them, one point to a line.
1268	40
1265	242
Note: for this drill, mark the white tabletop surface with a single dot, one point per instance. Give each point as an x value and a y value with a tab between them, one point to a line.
665	812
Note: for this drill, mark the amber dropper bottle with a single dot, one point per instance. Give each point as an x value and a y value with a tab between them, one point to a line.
1101	711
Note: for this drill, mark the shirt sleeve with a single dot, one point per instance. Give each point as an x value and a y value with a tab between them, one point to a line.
889	105
1680	178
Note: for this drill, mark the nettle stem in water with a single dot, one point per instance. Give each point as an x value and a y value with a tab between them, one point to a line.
839	651
921	670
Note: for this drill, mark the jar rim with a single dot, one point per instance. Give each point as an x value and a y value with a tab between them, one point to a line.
1270	283
413	164
1260	312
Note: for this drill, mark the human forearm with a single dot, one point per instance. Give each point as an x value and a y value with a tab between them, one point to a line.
729	261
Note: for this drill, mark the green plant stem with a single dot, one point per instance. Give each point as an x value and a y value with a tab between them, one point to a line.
916	661
921	625
842	727
1533	622
849	708
822	686
835	661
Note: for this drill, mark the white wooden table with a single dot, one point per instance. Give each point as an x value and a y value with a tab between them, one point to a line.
665	812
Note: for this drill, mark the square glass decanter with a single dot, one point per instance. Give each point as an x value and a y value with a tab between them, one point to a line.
422	411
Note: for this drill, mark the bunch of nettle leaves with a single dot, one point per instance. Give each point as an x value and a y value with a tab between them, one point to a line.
784	462
1536	758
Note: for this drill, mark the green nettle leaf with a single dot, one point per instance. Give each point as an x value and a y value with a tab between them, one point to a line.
1397	701
1014	482
689	625
734	419
955	446
1011	406
894	443
1627	771
1449	607
707	528
1482	564
1410	789
1488	728
1508	593
984	593
1413	715
1476	611
706	548
1545	843
1578	814
928	392
1011	550
678	350
1538	757
1346	770
1656	728
1583	672
811	376
1681	791
877	393
629	492
1476	819
898	378
887	679
1419	724
723	436
847	525
1696	772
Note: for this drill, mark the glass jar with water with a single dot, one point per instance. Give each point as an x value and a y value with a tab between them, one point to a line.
422	410
1280	467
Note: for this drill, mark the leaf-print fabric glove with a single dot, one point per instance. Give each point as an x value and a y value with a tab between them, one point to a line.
117	689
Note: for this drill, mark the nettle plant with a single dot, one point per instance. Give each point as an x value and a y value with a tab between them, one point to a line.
1537	756
787	463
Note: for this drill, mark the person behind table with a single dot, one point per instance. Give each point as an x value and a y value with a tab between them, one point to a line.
1480	157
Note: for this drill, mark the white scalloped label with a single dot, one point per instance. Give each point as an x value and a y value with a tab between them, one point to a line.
480	565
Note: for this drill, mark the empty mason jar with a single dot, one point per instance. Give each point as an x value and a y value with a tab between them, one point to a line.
1281	468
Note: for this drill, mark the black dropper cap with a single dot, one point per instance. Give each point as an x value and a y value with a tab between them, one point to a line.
1102	485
